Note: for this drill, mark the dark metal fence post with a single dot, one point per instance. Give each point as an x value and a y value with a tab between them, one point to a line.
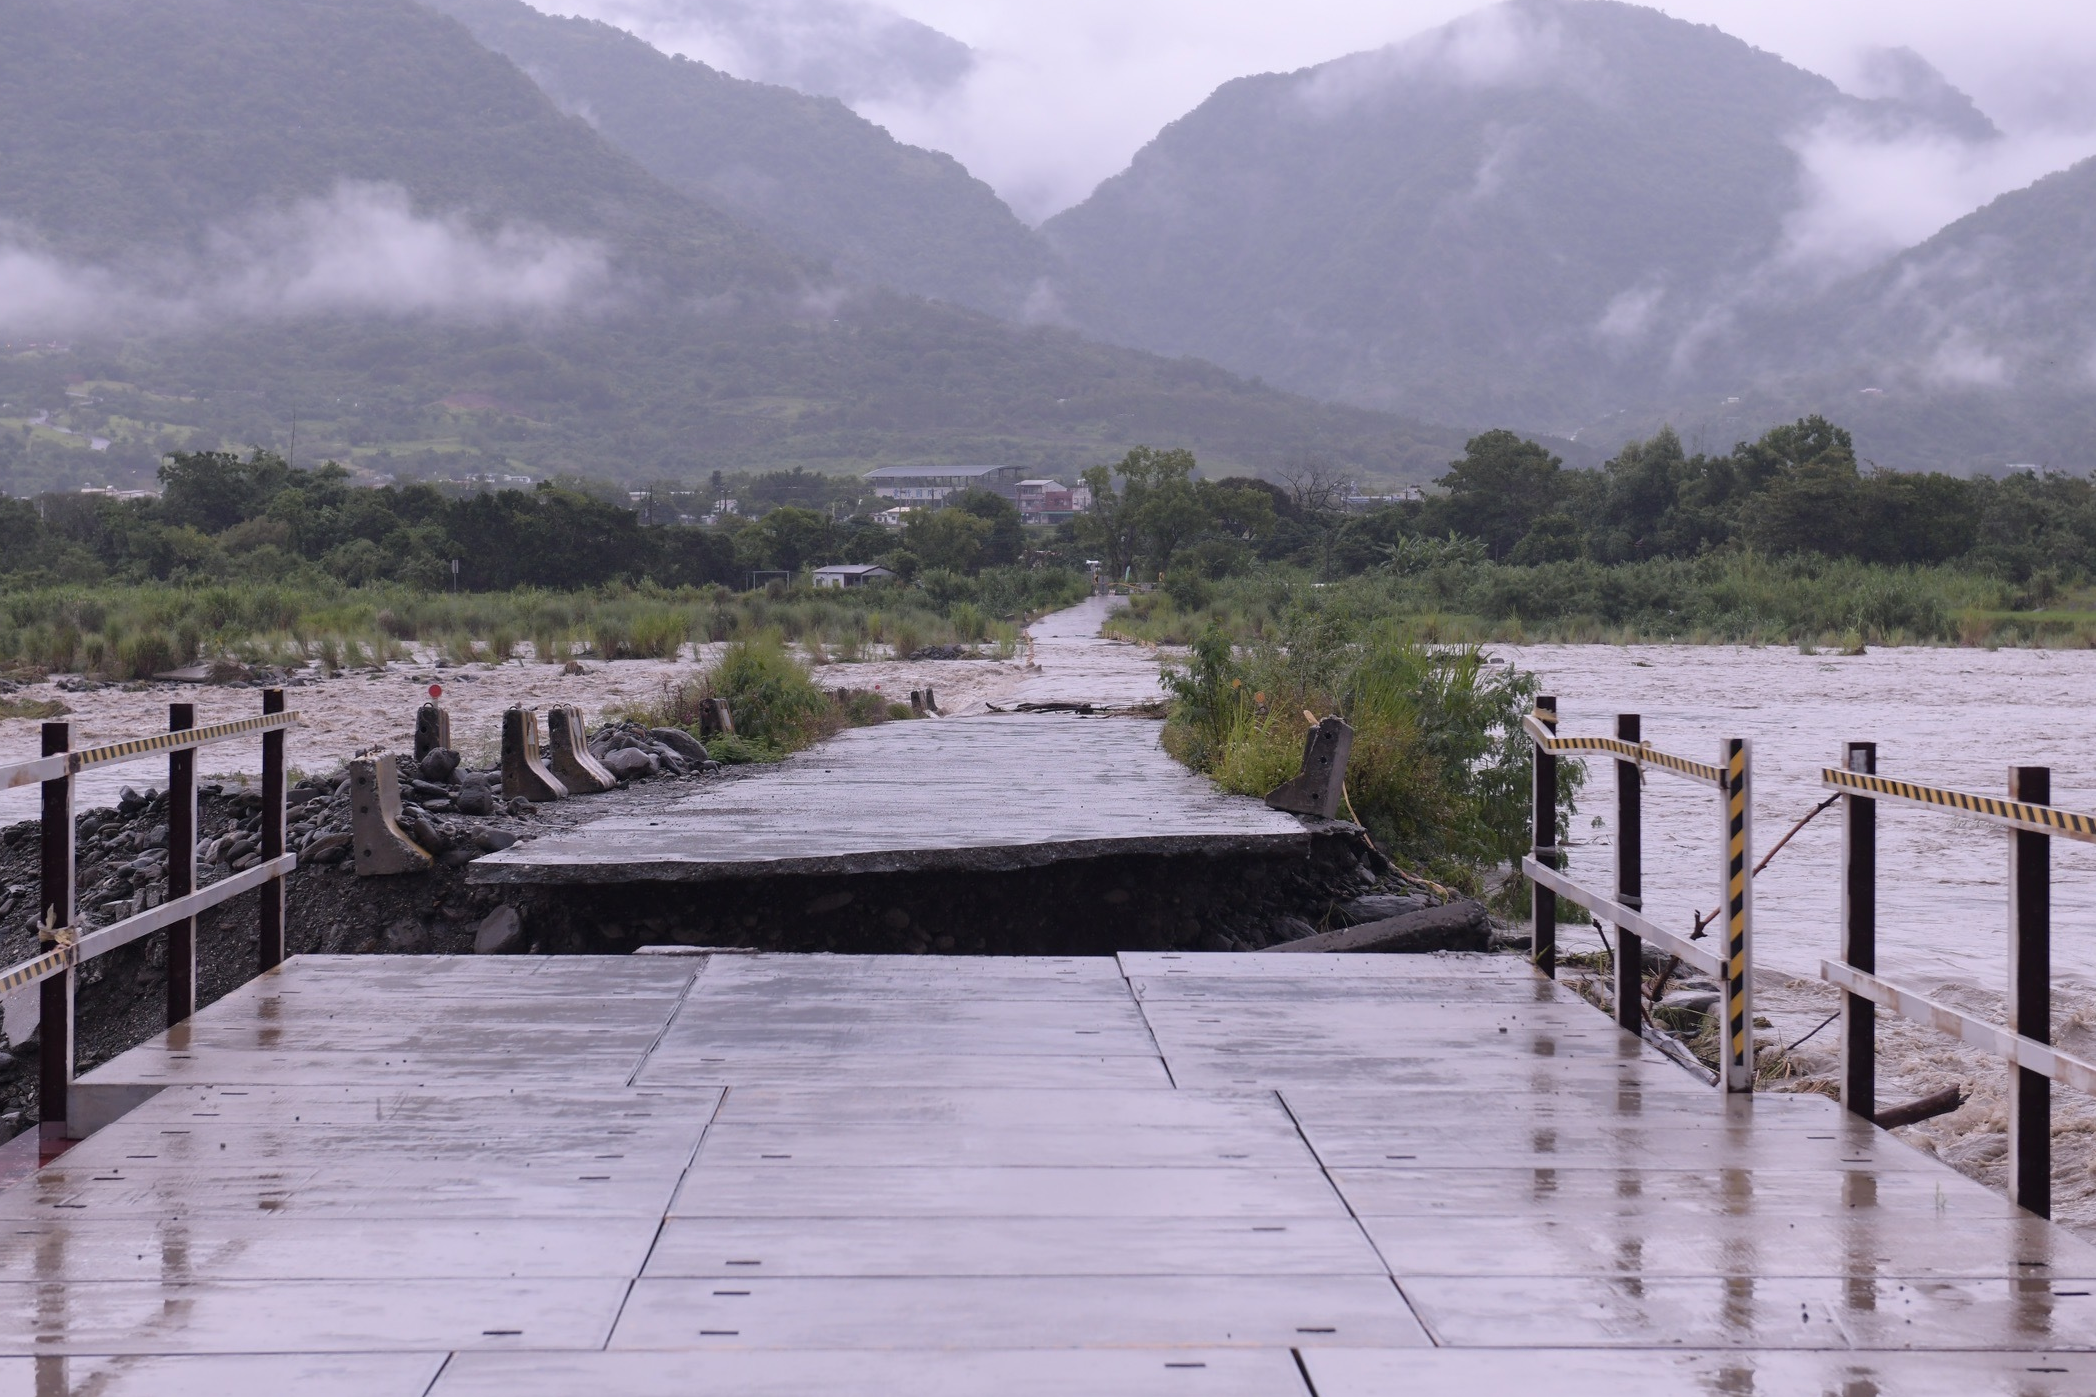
181	865
271	938
1859	935
55	1019
1737	1051
1542	944
1630	875
2030	995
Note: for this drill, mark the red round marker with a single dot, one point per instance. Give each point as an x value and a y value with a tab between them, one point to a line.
436	691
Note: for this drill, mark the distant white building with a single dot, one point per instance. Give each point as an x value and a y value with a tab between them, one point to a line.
852	575
929	485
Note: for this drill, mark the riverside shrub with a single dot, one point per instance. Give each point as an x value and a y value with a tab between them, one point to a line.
1440	769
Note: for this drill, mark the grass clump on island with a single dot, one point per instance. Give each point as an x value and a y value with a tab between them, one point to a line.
1447	591
1440	770
776	705
121	631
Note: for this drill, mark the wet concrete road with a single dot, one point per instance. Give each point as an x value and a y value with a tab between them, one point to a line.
1204	1174
977	794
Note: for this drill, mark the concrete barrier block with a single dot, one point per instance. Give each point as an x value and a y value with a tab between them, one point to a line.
524	770
1317	789
382	848
432	730
568	753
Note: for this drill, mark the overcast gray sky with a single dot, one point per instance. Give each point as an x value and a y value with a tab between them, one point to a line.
1066	91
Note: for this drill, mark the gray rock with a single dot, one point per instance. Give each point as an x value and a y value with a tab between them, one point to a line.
630	763
680	742
475	798
500	933
491	840
320	849
1692	1001
459	857
407	937
440	766
427	835
1293	928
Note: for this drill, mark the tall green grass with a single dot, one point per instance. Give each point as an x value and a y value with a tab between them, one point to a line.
1453	596
776	706
1440	770
132	631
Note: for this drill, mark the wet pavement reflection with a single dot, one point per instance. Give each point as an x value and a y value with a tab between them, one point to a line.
1162	1172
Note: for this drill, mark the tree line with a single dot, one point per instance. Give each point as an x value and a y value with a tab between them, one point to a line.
222	517
1798	489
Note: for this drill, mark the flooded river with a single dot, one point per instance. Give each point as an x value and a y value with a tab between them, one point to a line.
1946	717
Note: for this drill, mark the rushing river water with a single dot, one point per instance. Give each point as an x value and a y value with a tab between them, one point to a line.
1946	717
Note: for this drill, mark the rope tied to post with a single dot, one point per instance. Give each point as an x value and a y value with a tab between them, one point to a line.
1704	919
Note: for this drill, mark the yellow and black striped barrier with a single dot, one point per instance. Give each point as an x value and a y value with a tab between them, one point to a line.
40	769
175	741
42	967
2016	814
1733	961
1643	753
1739	1059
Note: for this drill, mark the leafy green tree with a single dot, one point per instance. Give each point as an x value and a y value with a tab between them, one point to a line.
1007	537
1146	517
1498	490
788	539
214	490
953	539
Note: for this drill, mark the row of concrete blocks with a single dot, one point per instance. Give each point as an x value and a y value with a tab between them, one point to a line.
531	770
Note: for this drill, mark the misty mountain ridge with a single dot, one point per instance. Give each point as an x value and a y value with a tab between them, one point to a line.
1525	216
853	50
225	212
807	171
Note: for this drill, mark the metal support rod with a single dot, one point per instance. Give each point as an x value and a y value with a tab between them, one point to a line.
1630	875
2030	995
181	866
1859	935
1542	944
270	941
1736	1050
55	1019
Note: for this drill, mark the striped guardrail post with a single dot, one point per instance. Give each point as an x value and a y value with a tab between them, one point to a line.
1630	875
1736	1052
181	865
2030	995
1542	942
55	994
1859	935
270	936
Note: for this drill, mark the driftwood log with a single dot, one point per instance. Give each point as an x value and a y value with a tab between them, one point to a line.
1936	1103
1459	926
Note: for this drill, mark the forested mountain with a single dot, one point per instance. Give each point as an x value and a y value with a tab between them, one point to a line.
806	170
1539	214
1972	351
151	126
216	214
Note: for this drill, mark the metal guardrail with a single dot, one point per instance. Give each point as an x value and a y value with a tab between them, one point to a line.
68	945
41	769
1730	777
2026	1042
